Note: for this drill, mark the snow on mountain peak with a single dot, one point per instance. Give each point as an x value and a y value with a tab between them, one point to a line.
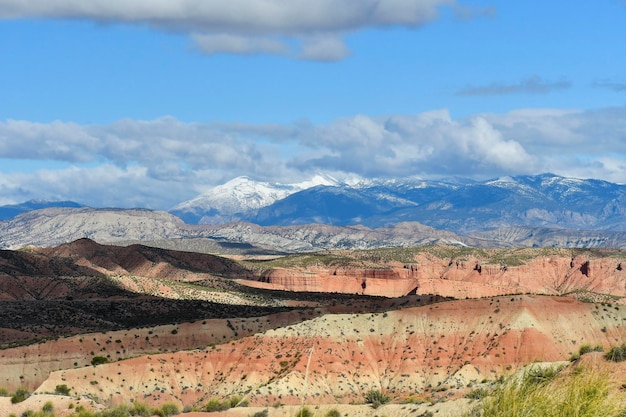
243	194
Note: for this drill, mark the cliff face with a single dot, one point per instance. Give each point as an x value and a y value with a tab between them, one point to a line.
550	275
391	282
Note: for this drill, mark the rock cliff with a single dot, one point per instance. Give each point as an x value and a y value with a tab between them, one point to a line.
554	274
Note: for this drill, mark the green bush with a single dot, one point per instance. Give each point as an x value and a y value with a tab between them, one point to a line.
4	392
140	409
98	360
119	411
216	405
62	389
333	412
304	412
48	407
376	398
263	413
588	349
83	412
237	401
20	395
616	353
168	410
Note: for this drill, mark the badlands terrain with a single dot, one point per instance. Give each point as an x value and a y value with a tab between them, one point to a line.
427	326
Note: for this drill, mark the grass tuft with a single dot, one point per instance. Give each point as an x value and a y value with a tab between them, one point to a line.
582	393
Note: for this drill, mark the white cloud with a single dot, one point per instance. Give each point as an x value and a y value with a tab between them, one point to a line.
246	26
238	16
100	186
324	48
233	44
158	163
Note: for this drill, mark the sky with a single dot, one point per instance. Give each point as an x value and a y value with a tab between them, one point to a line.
135	103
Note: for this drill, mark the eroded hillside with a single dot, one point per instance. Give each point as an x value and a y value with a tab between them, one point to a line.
448	271
434	350
324	328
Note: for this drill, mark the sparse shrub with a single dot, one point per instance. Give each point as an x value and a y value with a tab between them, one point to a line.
48	407
99	360
616	353
584	349
304	412
333	412
376	398
140	409
540	375
477	394
414	400
4	392
168	410
83	412
237	401
119	411
62	389
20	395
582	394
216	405
263	413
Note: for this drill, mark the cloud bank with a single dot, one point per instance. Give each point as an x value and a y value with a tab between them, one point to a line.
251	26
158	163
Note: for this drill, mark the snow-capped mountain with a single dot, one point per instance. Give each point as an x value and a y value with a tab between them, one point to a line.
462	206
541	210
240	198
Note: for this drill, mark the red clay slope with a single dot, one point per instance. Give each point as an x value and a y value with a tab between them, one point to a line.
446	345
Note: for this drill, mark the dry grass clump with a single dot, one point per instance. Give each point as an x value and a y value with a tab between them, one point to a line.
576	392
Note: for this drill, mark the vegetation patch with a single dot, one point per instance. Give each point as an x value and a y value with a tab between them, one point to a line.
376	398
616	353
552	393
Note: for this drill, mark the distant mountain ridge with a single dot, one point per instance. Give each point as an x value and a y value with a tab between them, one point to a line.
461	206
324	214
9	211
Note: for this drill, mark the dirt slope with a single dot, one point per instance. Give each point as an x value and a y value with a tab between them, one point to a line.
430	349
30	365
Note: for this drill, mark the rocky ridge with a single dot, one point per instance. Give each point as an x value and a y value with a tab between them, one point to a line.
54	226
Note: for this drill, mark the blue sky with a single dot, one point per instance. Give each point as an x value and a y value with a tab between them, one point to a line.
132	103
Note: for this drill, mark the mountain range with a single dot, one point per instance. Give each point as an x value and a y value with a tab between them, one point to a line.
325	213
458	205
